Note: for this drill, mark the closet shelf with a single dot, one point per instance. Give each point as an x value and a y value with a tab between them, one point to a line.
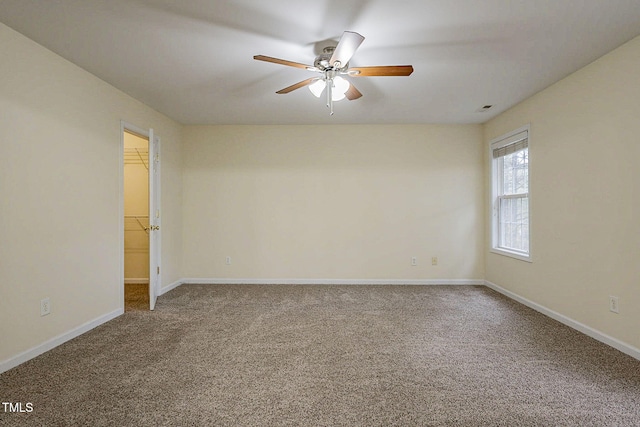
137	222
136	156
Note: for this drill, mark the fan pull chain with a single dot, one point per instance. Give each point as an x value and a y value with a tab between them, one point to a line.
330	96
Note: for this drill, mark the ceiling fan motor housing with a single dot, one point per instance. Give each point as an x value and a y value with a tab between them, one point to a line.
322	61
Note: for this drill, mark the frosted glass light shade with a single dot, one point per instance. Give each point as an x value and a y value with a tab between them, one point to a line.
340	88
340	85
317	87
337	96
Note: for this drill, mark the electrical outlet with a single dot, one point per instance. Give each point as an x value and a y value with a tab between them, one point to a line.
613	304
45	306
434	260
414	261
228	260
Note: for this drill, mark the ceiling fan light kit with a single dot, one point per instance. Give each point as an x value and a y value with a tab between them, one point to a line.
332	64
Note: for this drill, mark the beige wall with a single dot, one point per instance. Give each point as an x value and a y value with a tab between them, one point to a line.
333	202
61	197
585	233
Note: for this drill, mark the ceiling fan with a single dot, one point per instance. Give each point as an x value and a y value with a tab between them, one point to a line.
332	64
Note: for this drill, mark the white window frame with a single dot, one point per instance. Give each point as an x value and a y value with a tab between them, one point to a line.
496	191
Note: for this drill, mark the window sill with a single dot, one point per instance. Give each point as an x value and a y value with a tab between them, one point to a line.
515	255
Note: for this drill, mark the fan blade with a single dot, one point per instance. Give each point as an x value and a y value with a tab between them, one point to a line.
297	85
347	46
283	62
352	93
384	70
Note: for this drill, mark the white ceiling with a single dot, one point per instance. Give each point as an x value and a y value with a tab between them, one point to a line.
192	59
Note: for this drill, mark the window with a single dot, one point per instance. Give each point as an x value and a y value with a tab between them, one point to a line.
510	172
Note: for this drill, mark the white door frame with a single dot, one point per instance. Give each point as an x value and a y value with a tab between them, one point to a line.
145	133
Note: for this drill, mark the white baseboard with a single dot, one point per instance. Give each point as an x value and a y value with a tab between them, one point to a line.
54	342
420	282
136	281
171	286
587	330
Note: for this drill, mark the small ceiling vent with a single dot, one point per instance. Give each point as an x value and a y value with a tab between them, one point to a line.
484	108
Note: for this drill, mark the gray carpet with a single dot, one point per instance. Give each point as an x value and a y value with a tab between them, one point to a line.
243	355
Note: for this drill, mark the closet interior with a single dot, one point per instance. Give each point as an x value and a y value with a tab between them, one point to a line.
136	221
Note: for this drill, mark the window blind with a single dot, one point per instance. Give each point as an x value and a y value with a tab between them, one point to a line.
511	145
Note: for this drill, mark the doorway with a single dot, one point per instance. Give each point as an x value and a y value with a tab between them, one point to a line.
140	241
136	222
